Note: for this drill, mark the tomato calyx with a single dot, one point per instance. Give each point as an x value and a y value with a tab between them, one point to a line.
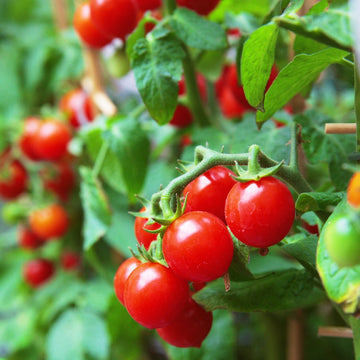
255	171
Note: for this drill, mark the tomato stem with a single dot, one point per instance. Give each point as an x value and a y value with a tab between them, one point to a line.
100	159
169	6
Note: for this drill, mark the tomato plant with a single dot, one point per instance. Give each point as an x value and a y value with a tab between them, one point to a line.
142	235
27	139
202	7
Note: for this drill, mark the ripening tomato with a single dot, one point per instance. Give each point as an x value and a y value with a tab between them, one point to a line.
51	140
77	107
49	222
37	272
342	238
86	29
115	18
198	247
353	190
208	191
13	177
190	328
142	236
145	5
202	7
58	178
70	260
26	142
260	213
154	296
122	274
27	239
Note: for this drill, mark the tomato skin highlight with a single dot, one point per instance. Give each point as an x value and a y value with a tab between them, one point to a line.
260	213
122	274
86	29
202	7
208	191
38	272
115	18
190	328
198	247
142	236
51	140
154	296
49	222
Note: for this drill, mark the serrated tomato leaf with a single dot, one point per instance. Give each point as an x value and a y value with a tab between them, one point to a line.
315	201
97	214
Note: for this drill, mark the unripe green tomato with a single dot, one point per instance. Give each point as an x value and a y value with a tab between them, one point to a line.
118	64
342	239
12	213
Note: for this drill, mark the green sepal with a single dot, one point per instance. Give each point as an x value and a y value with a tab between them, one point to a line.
245	175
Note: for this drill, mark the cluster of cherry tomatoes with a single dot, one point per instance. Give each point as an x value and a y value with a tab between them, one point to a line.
98	22
342	230
198	248
37	177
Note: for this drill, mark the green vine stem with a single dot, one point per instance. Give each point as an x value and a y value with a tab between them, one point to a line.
169	6
100	158
357	107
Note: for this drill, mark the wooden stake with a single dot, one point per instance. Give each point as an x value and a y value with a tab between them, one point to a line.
340	128
295	336
335	331
59	8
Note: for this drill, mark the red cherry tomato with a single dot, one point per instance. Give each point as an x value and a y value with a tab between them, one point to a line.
27	239
122	274
59	179
86	29
51	140
70	260
190	328
202	7
229	105
13	177
145	5
198	247
26	143
142	236
49	222
77	107
154	296
115	18
182	117
208	191
312	229
260	213
38	272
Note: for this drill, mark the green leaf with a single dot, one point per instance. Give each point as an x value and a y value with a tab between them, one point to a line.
331	27
239	266
256	62
342	285
131	146
96	208
315	201
288	290
218	345
195	31
210	64
296	76
76	335
157	65
246	22
304	45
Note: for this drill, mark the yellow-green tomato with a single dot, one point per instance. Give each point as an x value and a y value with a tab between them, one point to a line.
342	239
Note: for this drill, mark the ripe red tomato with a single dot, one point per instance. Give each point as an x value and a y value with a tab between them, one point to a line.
70	260
86	29
13	177
202	7
190	328
77	107
142	236
229	105
27	239
49	222
260	213
51	140
198	247
37	272
154	296
115	18
26	142
59	179
145	5
208	191
122	274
